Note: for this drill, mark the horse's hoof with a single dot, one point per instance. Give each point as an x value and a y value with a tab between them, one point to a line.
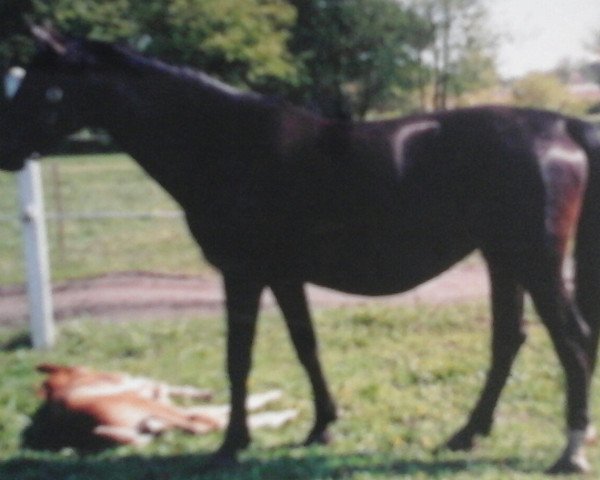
461	441
570	465
321	437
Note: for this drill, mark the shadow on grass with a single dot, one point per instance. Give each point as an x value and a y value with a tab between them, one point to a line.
281	464
17	342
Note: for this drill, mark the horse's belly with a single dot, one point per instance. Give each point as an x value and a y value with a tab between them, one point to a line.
383	263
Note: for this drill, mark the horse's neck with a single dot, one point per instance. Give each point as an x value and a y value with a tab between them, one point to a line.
184	135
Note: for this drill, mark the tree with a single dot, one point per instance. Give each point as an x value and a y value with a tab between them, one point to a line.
353	52
241	41
100	20
14	42
460	56
343	56
109	21
545	90
595	48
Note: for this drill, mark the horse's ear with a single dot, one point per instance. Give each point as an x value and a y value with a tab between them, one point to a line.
49	38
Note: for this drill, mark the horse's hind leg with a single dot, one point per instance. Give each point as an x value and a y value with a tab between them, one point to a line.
292	301
587	281
587	274
569	335
507	337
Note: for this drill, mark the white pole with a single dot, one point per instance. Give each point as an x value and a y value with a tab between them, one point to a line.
36	256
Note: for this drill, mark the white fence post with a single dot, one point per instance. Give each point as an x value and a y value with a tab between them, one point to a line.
36	256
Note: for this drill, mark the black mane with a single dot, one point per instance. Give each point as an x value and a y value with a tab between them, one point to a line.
84	54
123	58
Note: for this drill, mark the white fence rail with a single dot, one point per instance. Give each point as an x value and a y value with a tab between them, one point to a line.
83	216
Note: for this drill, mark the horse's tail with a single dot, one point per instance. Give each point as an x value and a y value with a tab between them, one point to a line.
587	240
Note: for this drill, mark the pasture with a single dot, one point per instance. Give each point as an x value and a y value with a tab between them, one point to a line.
91	184
404	379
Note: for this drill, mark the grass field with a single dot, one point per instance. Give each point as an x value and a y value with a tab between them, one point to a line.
99	183
404	380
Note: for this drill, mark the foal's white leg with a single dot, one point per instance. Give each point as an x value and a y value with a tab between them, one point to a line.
271	419
186	391
220	413
259	400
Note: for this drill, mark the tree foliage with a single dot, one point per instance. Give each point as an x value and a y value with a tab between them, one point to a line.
14	41
109	20
242	42
460	56
342	57
595	48
352	52
545	90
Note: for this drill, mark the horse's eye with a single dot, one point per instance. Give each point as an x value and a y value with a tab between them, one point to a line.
54	94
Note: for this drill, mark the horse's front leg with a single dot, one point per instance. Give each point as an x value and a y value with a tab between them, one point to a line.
292	301
242	301
507	337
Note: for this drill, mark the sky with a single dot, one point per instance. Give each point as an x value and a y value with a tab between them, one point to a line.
539	34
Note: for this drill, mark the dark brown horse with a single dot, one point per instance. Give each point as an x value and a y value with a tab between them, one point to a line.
277	197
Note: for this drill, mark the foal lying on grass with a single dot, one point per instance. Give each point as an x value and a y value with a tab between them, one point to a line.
90	410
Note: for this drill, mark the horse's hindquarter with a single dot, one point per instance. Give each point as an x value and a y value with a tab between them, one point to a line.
411	199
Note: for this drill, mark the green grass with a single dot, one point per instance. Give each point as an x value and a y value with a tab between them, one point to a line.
97	183
404	380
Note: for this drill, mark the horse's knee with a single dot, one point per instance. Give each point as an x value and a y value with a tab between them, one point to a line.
509	341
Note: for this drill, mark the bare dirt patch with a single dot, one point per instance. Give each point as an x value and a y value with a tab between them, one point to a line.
130	295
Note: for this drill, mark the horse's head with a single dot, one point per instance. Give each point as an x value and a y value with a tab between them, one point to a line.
45	100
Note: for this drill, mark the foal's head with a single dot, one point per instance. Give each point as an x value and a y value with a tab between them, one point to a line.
48	99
